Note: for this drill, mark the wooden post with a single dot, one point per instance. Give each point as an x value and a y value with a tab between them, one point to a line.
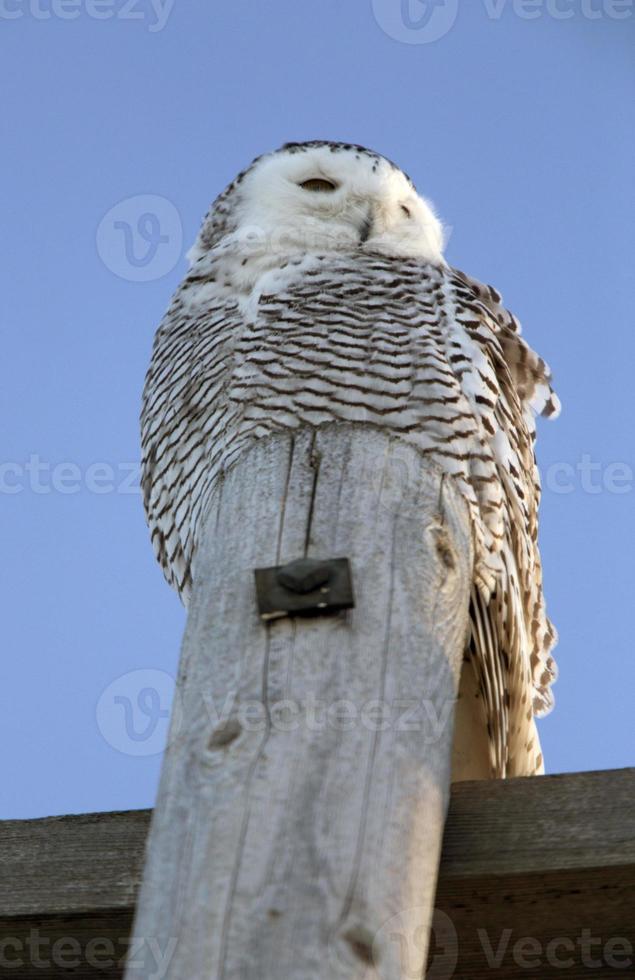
299	821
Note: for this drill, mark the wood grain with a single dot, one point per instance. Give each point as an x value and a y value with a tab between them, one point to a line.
306	781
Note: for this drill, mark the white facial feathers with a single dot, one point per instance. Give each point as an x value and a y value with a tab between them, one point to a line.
323	197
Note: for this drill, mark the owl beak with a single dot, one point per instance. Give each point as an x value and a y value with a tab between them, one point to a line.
366	226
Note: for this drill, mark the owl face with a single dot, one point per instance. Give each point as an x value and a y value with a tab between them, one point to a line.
317	197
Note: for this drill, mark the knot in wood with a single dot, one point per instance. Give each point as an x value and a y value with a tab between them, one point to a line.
360	939
225	734
304	575
444	548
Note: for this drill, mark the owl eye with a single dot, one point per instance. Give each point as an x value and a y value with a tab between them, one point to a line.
406	211
318	184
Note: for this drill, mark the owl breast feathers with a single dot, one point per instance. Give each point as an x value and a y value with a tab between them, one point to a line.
318	294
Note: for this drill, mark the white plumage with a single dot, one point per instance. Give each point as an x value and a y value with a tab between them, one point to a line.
318	293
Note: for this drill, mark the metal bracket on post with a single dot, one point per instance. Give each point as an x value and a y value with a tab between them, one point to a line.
304	587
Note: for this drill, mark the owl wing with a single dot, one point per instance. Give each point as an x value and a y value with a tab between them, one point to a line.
511	636
530	374
184	419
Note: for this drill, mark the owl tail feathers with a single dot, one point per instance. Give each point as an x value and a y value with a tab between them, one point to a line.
484	656
504	683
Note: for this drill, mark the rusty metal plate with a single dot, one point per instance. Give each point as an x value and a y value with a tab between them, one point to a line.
304	587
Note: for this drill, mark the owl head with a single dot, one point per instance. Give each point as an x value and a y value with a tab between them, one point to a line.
322	196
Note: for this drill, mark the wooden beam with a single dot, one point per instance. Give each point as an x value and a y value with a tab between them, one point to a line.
526	863
307	776
533	870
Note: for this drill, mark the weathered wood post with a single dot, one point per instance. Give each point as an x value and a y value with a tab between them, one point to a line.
299	820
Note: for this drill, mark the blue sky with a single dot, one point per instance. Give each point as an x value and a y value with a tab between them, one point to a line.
516	120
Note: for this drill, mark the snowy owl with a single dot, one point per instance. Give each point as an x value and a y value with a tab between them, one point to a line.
318	293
